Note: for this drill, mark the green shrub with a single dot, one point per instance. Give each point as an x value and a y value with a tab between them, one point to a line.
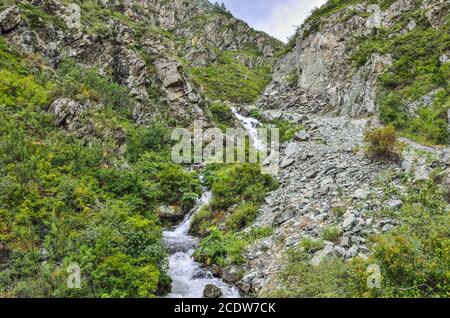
332	233
242	216
300	279
222	114
225	249
311	245
382	144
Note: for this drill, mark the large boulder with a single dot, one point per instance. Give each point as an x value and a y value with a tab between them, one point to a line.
9	19
170	213
168	73
212	291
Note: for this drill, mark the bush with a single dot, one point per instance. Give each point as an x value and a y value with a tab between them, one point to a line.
311	245
332	233
382	144
242	216
223	115
300	279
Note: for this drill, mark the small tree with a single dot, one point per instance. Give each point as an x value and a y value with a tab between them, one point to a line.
383	144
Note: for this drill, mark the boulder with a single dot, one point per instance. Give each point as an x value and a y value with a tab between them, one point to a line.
168	73
283	217
67	113
9	19
302	136
230	274
212	291
328	251
170	213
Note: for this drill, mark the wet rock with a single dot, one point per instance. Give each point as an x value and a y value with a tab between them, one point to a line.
9	19
212	291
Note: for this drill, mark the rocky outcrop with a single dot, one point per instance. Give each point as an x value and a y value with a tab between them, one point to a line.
212	291
321	57
9	19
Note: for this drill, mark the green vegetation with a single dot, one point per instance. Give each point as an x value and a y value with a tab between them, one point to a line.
383	144
413	257
69	200
416	72
332	233
225	249
238	192
311	245
222	115
287	129
230	80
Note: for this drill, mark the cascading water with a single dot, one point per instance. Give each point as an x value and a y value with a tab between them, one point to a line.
250	125
188	277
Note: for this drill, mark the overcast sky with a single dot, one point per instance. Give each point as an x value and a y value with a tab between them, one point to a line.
279	18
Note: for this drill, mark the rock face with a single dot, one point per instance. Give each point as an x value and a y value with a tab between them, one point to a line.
212	291
9	19
144	59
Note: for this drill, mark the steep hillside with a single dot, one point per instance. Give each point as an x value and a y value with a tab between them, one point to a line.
352	201
88	93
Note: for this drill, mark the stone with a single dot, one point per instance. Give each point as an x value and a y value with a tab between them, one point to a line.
170	213
212	291
360	194
349	223
319	256
283	217
168	73
287	162
302	136
230	274
394	204
352	252
67	113
9	19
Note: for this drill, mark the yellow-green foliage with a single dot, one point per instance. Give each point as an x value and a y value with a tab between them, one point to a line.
383	143
413	258
230	80
66	200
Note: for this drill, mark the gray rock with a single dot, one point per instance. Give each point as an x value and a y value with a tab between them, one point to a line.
360	194
394	204
230	274
170	213
352	252
283	217
212	291
302	136
319	256
168	73
287	162
9	19
67	113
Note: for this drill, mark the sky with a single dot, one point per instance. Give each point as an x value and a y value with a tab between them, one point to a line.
279	18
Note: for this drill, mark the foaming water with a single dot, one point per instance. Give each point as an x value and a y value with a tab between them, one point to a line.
188	277
250	125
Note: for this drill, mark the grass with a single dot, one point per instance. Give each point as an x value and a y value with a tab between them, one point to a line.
229	80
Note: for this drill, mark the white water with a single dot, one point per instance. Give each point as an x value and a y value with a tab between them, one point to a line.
188	277
250	125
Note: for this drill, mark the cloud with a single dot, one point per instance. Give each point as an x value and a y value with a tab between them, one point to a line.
278	18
